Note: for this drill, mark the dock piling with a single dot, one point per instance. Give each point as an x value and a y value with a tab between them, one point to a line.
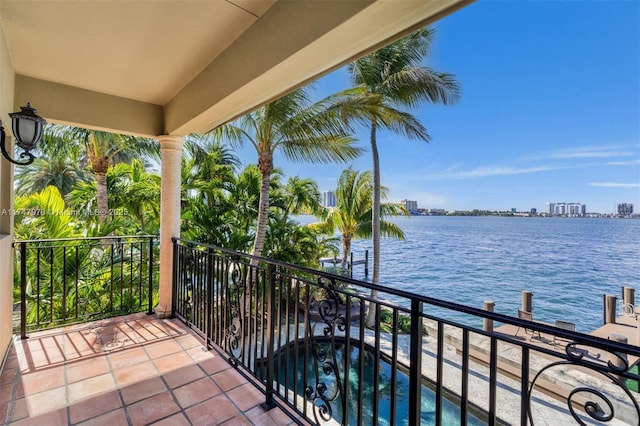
351	264
610	303
628	295
487	324
366	263
527	301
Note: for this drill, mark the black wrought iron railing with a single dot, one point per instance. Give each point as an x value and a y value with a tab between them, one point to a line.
301	336
64	281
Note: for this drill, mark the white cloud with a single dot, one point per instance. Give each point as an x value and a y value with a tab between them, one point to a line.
624	163
453	167
495	171
592	152
614	185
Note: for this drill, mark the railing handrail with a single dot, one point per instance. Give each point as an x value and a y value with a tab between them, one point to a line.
537	326
232	297
126	283
106	237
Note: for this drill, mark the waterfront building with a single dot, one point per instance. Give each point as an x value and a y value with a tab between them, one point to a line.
328	199
435	212
625	209
410	205
567	209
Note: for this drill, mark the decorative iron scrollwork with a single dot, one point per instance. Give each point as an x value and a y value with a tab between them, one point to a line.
328	386
234	291
587	404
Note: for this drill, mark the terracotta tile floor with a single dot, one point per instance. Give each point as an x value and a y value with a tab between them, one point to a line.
133	370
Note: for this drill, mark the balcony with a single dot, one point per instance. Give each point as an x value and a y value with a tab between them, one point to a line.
132	369
294	340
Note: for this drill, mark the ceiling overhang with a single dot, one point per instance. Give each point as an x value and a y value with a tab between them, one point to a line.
150	68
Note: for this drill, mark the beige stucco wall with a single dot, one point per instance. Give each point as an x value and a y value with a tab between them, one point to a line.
7	84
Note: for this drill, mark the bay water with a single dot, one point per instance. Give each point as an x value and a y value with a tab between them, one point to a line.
567	263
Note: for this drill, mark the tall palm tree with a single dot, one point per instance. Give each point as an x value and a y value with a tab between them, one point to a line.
300	130
396	75
352	214
102	149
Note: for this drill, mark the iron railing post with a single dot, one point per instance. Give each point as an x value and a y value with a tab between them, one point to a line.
271	288
150	308
23	290
493	382
208	299
415	370
174	278
524	387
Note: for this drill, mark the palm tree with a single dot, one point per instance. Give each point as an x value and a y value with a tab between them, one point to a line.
57	165
138	193
102	149
298	196
286	239
394	73
207	181
42	215
352	214
300	130
207	152
207	170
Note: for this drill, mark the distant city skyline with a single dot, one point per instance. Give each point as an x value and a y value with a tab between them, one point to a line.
556	208
550	112
328	199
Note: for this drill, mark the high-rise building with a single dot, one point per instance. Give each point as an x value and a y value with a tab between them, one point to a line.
410	205
567	209
328	199
625	209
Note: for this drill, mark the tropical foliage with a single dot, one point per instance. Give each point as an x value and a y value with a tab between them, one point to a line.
352	214
100	150
297	128
58	164
72	278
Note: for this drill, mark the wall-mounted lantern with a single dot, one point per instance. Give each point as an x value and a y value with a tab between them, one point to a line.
27	128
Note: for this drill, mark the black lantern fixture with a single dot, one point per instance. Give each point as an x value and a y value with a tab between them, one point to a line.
27	128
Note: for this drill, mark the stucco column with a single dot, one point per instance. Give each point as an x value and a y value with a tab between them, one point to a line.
171	151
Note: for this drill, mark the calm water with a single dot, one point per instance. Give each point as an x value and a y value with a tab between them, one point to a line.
568	264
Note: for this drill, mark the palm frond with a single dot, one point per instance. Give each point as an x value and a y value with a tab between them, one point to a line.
322	149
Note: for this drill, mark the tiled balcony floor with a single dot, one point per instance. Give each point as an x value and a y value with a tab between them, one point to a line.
132	370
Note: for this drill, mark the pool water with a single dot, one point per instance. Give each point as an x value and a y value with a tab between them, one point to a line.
450	412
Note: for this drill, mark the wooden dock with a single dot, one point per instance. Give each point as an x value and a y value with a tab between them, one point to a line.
351	262
624	326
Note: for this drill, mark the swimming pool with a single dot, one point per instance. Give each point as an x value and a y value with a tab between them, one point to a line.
292	370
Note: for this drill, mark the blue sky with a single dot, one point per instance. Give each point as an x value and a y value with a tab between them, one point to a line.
550	111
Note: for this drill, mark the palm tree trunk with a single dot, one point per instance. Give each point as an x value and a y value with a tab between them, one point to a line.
102	200
375	226
265	164
142	223
346	248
